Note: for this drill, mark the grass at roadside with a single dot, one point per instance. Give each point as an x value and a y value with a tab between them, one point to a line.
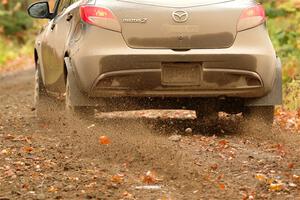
284	28
14	53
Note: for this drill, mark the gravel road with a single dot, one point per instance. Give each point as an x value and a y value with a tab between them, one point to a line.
150	155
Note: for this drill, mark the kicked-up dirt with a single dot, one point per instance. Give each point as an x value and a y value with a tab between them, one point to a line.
143	155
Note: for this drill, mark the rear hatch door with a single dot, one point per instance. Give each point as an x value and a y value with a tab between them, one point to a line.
182	24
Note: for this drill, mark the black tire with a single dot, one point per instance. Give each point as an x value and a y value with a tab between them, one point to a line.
209	118
43	103
207	113
77	111
262	114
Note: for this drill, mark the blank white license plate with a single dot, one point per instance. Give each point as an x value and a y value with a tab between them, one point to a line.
181	74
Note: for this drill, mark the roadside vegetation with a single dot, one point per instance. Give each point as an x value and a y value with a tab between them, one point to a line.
17	32
284	28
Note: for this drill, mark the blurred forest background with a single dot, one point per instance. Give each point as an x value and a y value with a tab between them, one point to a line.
17	34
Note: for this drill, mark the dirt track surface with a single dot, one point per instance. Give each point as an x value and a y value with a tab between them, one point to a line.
61	158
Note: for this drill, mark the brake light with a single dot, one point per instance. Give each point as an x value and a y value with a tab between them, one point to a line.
251	17
101	17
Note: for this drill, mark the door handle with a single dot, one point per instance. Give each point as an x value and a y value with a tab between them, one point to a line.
69	17
53	26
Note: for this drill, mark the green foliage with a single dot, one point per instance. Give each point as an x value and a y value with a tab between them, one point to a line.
284	28
16	37
14	22
14	18
11	49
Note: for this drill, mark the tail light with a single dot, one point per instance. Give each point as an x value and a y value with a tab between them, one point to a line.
251	17
101	17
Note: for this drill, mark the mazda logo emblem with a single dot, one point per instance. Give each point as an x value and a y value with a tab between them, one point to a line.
180	16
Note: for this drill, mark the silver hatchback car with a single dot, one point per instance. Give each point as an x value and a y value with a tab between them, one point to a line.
204	55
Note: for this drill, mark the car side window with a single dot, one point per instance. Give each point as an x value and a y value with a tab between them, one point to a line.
63	5
52	5
74	1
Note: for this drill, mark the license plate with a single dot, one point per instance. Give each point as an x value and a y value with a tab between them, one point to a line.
181	74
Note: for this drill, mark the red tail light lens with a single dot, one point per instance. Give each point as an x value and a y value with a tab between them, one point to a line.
251	17
101	17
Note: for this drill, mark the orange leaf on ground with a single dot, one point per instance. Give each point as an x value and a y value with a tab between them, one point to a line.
276	187
222	186
52	189
119	178
223	142
296	178
214	167
27	149
104	140
149	178
261	177
291	165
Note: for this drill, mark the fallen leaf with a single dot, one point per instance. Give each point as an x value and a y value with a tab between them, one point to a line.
52	189
291	165
276	187
149	178
223	144
296	178
104	140
119	178
261	177
222	186
214	167
27	149
280	149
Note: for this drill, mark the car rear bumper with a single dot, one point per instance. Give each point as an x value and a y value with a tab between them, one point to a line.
149	82
108	67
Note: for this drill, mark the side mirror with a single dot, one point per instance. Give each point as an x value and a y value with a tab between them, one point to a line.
40	10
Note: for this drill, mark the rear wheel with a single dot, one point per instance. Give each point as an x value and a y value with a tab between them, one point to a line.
207	118
207	113
262	114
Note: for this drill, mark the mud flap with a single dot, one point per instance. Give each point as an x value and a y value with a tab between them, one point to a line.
77	98
275	96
